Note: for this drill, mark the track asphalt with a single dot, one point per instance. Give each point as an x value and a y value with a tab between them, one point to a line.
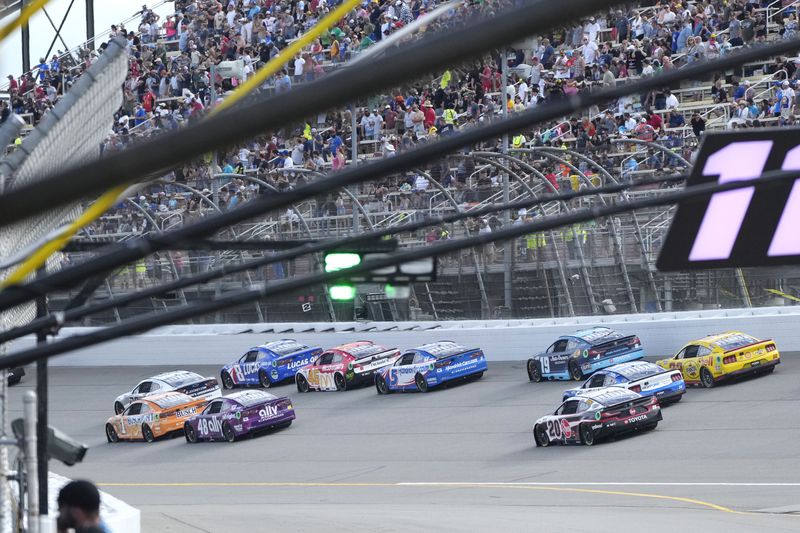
457	459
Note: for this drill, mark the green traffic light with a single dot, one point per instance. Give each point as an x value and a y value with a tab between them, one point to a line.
341	260
342	292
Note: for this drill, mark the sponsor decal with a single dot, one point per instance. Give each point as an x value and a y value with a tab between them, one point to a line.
565	428
186	412
636	419
597	415
268	411
274	374
297	364
207	426
597	426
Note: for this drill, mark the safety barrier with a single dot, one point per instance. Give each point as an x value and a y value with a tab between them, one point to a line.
662	334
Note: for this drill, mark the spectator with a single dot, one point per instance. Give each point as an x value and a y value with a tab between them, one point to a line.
79	508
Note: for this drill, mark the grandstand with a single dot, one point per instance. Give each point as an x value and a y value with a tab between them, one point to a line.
603	267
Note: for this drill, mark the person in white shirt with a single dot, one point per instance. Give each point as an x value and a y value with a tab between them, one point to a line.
590	51
671	100
299	63
522	91
591	29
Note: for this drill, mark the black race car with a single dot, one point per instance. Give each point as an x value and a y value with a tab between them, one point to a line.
597	414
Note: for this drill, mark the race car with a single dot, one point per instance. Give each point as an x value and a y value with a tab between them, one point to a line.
183	381
345	366
646	378
719	357
582	353
268	364
239	414
597	414
15	375
153	417
431	365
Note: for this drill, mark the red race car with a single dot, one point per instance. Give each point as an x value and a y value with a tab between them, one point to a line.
345	366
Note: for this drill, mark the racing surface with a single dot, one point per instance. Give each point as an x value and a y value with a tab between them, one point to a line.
460	458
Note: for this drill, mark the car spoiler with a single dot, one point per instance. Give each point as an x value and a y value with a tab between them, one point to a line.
376	355
766	341
613	343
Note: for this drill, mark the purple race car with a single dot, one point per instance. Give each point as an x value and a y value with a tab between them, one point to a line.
239	414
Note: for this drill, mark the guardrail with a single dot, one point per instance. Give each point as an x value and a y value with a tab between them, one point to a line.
662	334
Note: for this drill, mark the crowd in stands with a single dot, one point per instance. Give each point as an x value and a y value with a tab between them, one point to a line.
172	81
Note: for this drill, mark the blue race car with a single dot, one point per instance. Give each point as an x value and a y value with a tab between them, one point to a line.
583	353
647	379
431	365
268	364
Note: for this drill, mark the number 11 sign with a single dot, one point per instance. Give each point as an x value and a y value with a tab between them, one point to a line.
752	226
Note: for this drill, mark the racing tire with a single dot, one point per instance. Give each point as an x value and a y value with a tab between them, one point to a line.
227	380
651	427
534	371
575	371
422	385
111	434
340	381
284	425
540	437
476	377
706	378
190	433
118	408
302	383
227	432
263	379
381	385
770	370
587	435
147	433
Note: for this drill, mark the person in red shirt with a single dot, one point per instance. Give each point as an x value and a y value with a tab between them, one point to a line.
149	101
13	86
430	115
655	121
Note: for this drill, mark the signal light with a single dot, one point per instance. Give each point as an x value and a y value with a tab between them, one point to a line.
342	292
340	260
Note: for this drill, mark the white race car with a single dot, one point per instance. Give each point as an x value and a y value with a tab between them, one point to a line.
183	381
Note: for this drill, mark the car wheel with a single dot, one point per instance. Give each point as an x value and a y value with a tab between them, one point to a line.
534	371
190	433
540	436
147	433
587	435
381	385
706	379
111	433
422	385
340	382
227	381
302	383
651	427
770	370
284	425
575	371
118	408
263	379
227	432
477	376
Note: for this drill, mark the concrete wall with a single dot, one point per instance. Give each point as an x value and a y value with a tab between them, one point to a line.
662	334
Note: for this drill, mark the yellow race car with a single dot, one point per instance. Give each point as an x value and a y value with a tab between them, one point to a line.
718	357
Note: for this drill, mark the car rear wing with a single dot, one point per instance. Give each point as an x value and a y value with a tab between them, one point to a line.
628	404
472	352
377	355
278	403
199	387
769	345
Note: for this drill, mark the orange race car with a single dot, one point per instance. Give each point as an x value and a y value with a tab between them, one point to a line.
153	417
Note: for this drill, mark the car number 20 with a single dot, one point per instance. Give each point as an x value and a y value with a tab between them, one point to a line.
558	429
